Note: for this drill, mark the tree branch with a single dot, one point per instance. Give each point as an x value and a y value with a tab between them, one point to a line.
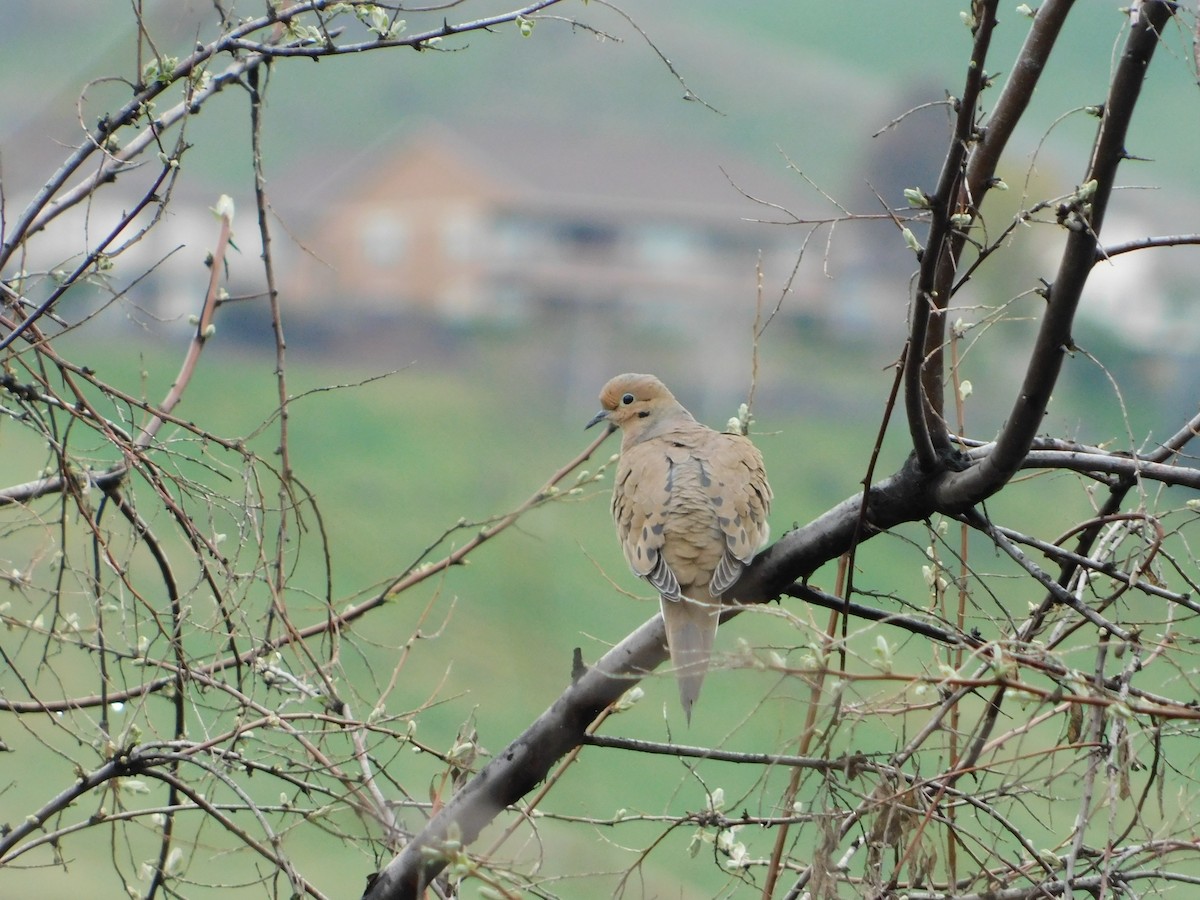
1013	101
901	498
523	763
1084	218
923	365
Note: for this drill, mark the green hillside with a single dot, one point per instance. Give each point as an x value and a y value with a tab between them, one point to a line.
470	425
812	81
394	462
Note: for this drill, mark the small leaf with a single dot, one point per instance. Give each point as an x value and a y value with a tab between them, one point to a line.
716	800
628	699
910	240
174	864
883	654
916	198
224	207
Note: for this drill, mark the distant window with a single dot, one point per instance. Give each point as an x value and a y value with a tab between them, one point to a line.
384	237
587	237
515	236
738	241
667	245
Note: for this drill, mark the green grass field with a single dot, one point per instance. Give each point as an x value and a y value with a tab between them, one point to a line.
395	462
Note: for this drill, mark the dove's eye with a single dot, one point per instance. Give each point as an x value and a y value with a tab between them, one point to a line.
627	399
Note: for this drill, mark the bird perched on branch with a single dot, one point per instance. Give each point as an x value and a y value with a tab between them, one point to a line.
691	506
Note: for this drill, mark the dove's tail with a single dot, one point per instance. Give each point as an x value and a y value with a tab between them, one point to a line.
691	627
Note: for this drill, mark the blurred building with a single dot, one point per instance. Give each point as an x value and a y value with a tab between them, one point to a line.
507	222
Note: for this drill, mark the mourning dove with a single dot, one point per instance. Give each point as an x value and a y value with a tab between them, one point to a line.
691	508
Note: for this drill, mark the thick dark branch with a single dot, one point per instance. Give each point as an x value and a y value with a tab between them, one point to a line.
1084	220
1112	464
529	758
1056	453
523	763
1146	243
1014	99
904	497
923	367
83	785
957	193
1176	442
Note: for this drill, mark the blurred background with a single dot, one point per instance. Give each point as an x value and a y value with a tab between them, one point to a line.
565	185
503	222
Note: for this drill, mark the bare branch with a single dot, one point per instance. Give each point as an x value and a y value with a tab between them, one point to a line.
1083	219
923	367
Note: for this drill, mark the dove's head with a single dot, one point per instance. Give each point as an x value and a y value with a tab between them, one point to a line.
637	404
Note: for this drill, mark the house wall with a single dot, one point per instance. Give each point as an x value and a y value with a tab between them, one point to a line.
448	231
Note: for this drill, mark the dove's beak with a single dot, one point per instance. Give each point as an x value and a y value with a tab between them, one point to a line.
598	417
